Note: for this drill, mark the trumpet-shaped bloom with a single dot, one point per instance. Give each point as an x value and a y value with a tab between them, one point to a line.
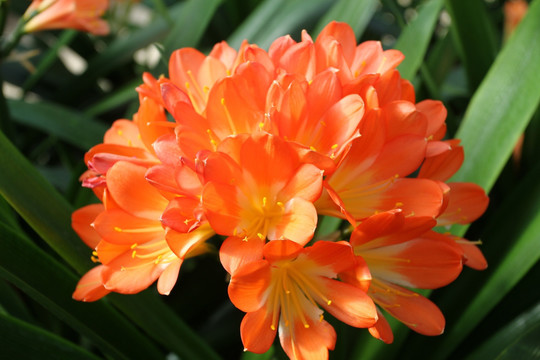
258	188
67	14
283	291
402	252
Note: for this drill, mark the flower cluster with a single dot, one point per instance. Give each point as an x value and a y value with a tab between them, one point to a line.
254	146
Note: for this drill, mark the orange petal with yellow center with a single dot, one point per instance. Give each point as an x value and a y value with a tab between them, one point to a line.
124	132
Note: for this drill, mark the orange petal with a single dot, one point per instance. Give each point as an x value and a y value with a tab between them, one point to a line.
473	257
168	278
304	343
298	223
182	214
306	184
257	336
382	329
349	304
127	275
335	256
435	113
444	165
236	252
281	250
344	34
249	286
412	309
388	228
122	228
81	222
467	202
131	191
420	263
90	286
123	132
183	245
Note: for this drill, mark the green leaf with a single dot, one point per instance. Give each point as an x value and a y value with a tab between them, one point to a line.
71	126
50	57
475	36
51	284
273	19
121	96
11	302
355	13
195	16
40	205
163	325
523	205
503	105
517	340
20	340
414	39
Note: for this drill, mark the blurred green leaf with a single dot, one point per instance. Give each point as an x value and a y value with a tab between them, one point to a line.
275	18
523	252
40	205
72	127
252	356
355	13
50	57
195	16
414	39
15	342
12	303
475	36
114	100
517	340
503	105
51	284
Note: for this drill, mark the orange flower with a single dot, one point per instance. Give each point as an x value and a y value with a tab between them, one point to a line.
257	188
132	246
402	252
372	175
82	15
282	292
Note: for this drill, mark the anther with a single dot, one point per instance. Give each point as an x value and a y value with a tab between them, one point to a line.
133	254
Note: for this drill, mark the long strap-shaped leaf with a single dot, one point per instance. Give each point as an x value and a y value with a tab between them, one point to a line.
503	105
475	37
50	284
274	18
356	13
414	39
14	342
517	340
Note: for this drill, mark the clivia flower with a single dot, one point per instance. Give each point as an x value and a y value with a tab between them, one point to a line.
81	15
254	146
